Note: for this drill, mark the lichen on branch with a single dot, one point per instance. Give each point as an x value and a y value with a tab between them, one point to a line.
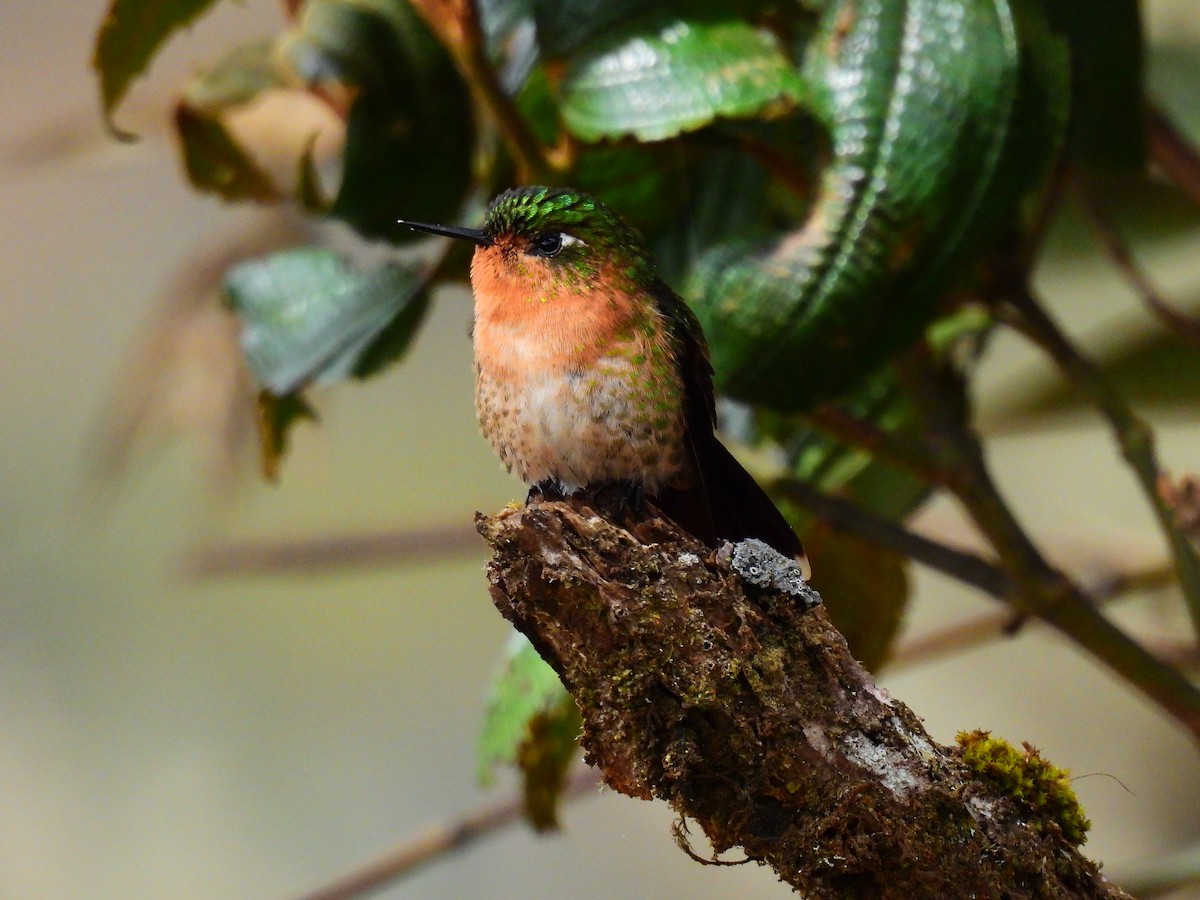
743	709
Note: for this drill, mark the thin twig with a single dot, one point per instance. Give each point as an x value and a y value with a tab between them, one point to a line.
1184	654
1173	152
983	629
323	553
885	445
1133	435
949	640
436	841
457	23
1040	589
848	516
1122	257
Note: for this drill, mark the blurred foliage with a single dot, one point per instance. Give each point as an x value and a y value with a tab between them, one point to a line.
826	182
132	33
531	722
309	317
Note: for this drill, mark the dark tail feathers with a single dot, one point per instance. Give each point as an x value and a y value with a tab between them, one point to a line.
725	503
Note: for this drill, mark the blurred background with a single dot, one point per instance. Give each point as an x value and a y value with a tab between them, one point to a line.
167	734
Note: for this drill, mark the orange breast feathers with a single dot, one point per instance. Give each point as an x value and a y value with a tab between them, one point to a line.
538	316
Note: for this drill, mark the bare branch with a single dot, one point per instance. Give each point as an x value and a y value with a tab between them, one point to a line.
1133	435
1122	257
323	553
848	516
1173	152
1101	587
1040	589
438	841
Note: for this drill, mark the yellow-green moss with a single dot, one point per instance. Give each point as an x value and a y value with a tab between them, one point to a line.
1027	777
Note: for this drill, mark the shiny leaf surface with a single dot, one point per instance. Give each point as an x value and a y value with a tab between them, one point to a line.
664	74
941	116
309	316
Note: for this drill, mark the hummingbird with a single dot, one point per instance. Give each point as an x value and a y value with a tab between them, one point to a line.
590	370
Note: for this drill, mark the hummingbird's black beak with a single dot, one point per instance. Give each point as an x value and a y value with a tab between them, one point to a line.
469	234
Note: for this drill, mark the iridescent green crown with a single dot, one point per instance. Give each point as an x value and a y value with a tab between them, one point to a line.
533	210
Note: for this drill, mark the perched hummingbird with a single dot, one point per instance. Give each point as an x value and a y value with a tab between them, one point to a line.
589	369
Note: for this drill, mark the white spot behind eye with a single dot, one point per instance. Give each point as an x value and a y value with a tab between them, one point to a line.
569	240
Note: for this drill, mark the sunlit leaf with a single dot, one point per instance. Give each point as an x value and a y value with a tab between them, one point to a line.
664	74
132	32
309	316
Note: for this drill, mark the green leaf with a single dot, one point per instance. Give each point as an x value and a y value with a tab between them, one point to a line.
663	74
924	172
132	32
409	134
551	742
723	196
852	472
308	316
214	161
531	721
866	585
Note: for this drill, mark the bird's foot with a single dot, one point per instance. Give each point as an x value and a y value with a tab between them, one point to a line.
620	500
550	489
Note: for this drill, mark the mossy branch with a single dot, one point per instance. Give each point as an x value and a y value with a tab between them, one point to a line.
746	712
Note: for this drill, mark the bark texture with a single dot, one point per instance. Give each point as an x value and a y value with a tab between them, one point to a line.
744	710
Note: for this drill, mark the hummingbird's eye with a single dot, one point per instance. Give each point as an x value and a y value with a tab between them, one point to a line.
548	244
